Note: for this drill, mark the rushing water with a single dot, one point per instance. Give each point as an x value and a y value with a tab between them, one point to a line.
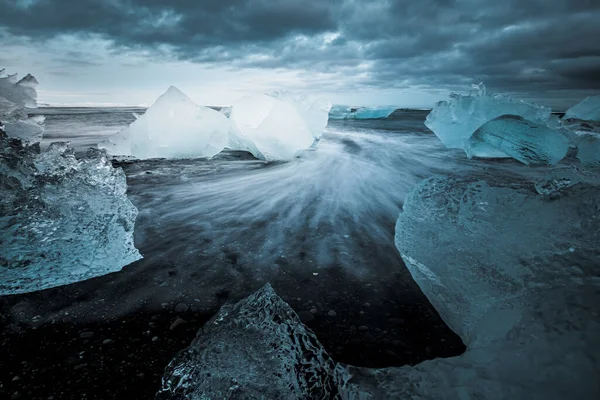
319	228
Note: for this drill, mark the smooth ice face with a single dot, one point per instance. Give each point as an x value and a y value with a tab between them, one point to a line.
15	96
257	348
345	112
515	274
62	220
454	121
588	148
588	109
276	128
173	127
516	137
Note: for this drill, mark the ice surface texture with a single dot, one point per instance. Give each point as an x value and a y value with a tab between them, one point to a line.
588	109
523	140
15	96
588	148
173	127
515	274
345	112
255	349
278	126
62	220
454	121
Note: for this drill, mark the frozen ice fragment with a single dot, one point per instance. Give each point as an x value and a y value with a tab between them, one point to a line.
173	127
346	112
454	121
62	219
588	109
276	128
257	348
588	148
516	137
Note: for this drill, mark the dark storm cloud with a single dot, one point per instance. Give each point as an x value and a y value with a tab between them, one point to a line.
512	45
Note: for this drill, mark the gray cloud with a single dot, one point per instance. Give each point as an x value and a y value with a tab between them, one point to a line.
548	46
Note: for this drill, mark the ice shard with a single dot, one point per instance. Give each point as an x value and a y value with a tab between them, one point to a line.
173	127
278	126
454	121
15	97
588	109
516	137
346	112
62	220
255	349
515	274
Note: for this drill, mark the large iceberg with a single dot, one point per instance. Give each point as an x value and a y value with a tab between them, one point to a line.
173	127
255	349
588	109
62	220
516	137
15	96
456	120
346	112
278	126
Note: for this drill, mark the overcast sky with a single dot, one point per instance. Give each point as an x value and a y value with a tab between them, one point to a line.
407	53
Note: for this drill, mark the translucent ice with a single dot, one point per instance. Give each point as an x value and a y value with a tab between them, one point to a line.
15	96
173	127
516	137
62	220
588	109
255	349
514	273
278	126
588	148
345	112
456	120
20	92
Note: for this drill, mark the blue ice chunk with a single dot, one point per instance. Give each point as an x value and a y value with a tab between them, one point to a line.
346	112
62	219
516	137
588	109
454	121
588	148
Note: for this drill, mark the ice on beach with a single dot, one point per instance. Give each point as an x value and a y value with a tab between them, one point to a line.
588	148
173	127
346	112
257	348
587	110
20	92
454	121
15	96
62	219
514	273
278	126
516	137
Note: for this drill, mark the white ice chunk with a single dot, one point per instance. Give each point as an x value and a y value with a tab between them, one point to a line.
62	220
173	127
23	93
455	121
588	109
15	96
277	128
516	137
346	112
